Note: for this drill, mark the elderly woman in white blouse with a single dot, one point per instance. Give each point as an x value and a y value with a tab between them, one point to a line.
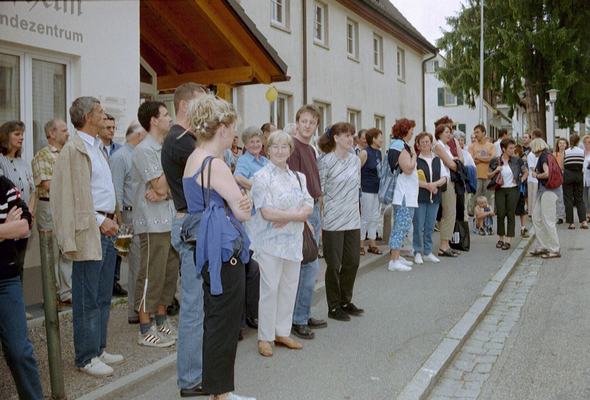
276	231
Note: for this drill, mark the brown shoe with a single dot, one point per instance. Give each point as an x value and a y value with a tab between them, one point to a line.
264	348
288	342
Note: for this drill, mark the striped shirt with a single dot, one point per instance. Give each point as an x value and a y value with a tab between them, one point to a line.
340	180
574	159
19	172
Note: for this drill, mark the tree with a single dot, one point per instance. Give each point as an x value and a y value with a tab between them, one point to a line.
531	46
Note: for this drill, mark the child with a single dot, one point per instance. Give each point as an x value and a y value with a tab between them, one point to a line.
484	224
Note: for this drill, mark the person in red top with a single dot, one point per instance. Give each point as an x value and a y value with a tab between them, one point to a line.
303	159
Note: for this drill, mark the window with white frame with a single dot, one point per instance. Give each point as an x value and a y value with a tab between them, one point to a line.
354	117
34	88
320	30
378	52
280	110
325	110
352	38
279	13
401	64
446	98
380	122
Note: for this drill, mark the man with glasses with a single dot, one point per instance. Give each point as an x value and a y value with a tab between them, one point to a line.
106	135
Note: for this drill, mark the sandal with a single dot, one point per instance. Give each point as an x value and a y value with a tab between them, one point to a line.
505	246
538	252
499	244
584	226
446	253
551	254
571	226
374	250
362	251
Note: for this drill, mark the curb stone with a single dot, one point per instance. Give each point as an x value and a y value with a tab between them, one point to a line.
110	390
427	376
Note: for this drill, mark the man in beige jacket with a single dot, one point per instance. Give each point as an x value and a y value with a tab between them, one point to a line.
83	205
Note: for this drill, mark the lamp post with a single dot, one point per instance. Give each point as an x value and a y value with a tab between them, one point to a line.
552	100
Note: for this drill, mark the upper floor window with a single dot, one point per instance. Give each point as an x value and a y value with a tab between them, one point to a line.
279	13
354	117
320	30
378	52
401	64
352	38
447	98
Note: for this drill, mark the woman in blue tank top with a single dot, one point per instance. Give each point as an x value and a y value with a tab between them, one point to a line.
222	245
371	159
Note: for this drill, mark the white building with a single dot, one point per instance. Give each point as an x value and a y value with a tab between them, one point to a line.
358	61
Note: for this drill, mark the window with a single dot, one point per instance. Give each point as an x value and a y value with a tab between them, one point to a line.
325	116
462	128
378	52
320	31
34	88
352	39
280	110
446	98
354	117
401	64
435	65
380	122
279	13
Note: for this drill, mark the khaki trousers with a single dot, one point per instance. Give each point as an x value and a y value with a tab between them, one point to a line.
532	188
544	219
449	212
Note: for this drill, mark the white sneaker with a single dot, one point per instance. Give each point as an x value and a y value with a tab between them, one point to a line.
153	338
432	258
168	329
97	368
418	258
233	396
111	359
405	262
397	265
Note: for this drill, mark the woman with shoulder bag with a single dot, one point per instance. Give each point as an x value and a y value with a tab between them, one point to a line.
283	206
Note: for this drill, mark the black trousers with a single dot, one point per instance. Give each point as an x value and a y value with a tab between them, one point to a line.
460	207
342	255
252	288
573	195
221	327
506	201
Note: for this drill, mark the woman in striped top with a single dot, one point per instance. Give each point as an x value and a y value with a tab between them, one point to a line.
340	179
573	184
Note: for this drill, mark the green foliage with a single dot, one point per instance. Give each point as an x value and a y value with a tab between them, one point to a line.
529	44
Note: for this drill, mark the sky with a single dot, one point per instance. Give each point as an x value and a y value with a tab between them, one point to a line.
428	15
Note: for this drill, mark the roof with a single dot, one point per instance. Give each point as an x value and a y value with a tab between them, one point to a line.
395	20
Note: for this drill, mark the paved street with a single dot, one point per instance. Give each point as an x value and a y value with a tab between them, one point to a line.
372	357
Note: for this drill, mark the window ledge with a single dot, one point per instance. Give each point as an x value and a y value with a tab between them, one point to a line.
353	58
401	80
321	44
378	69
280	27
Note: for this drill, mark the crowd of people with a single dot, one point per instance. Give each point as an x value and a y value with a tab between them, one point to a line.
228	230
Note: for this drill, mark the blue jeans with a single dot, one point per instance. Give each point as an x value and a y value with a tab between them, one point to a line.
189	359
16	346
307	276
424	220
92	290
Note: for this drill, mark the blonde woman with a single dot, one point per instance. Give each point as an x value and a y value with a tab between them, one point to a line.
283	206
222	244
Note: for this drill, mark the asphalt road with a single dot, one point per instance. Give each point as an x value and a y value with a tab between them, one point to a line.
371	357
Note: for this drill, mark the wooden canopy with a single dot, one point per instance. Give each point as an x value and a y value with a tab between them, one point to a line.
205	41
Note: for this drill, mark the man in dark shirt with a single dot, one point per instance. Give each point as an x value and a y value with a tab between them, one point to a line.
177	147
303	159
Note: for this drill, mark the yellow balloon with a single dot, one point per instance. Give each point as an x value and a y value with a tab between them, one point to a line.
271	94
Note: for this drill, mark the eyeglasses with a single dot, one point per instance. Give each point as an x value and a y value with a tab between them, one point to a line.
280	147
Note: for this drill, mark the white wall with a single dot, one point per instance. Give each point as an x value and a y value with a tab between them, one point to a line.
332	77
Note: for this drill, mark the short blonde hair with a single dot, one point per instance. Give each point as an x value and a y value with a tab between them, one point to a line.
538	144
281	137
585	137
481	199
207	113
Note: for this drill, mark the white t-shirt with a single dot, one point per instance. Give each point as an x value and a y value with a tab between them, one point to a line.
531	161
498	148
444	170
507	176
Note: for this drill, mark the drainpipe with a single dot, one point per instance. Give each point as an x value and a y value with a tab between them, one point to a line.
424	91
304	13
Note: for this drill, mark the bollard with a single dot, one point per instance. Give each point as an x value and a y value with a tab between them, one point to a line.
56	375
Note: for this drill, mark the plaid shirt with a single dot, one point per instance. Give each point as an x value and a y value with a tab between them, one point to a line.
42	166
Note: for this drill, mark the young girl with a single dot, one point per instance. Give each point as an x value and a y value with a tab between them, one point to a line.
484	223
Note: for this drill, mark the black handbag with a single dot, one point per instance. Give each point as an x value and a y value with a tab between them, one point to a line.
461	239
310	245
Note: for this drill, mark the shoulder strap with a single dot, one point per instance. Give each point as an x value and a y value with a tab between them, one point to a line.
208	160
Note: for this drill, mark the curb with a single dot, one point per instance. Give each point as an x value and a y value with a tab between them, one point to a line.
110	390
432	369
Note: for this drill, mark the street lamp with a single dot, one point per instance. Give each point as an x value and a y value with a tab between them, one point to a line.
552	100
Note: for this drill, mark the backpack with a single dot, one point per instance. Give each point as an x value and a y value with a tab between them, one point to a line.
555	179
387	181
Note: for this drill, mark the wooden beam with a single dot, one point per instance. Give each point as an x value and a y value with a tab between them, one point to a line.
224	91
235	33
228	76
